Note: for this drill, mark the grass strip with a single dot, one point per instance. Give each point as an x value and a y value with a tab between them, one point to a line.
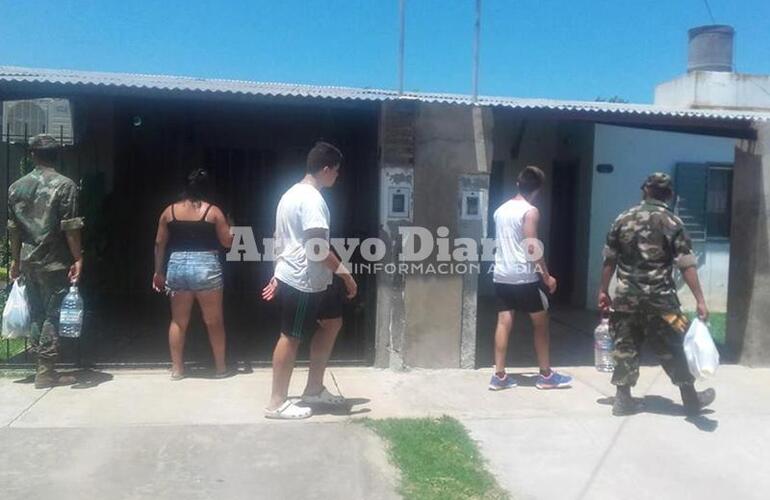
437	459
10	348
717	325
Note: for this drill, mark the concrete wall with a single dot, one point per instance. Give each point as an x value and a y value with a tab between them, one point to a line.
712	89
749	288
396	164
421	316
635	153
445	148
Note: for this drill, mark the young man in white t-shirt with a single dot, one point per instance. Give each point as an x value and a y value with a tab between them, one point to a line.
300	283
520	274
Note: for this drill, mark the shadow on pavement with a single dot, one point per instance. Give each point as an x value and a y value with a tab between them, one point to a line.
658	405
342	410
529	379
29	379
87	378
525	379
210	374
703	423
84	379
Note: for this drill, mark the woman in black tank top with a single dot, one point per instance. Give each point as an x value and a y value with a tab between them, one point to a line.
192	235
193	231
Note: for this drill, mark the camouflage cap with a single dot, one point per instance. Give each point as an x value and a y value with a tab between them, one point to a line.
659	180
43	141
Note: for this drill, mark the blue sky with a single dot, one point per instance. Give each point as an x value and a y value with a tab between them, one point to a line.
566	49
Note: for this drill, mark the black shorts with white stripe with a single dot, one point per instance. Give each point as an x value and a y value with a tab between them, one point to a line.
299	311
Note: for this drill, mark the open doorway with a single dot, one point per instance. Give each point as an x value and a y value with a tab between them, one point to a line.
563	228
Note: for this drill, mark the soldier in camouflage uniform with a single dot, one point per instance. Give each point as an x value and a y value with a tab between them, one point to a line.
643	245
44	229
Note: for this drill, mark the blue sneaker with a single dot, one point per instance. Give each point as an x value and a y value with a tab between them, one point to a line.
498	384
553	381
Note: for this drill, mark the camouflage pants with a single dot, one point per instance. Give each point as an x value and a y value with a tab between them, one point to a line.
630	330
45	291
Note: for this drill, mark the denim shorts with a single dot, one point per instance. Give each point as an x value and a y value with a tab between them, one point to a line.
194	272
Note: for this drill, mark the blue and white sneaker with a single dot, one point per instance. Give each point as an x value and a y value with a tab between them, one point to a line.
498	384
553	381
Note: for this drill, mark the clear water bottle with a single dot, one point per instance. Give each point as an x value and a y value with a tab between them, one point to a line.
71	316
603	347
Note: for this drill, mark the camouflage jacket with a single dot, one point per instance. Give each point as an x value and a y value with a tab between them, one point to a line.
645	242
41	206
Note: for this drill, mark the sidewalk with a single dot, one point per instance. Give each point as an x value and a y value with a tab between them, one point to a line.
140	435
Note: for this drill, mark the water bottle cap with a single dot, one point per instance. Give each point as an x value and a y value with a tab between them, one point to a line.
73	288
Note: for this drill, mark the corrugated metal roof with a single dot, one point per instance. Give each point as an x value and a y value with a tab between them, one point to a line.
247	88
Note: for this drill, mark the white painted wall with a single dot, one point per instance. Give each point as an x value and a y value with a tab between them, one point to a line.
636	153
715	89
713	271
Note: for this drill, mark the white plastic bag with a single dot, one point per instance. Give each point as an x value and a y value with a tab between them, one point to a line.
16	320
700	351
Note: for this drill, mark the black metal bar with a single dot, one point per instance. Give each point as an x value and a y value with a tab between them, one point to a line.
7	185
61	145
7	248
79	161
26	145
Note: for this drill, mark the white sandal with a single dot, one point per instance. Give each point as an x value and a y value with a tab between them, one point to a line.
323	398
288	411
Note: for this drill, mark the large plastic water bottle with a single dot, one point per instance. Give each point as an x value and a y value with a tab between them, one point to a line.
71	316
603	347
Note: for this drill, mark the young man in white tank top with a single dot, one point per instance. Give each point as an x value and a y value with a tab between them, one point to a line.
519	272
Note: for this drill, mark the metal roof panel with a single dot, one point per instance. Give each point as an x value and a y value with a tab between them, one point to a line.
247	88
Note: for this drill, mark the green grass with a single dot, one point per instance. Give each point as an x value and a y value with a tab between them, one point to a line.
10	348
437	459
717	325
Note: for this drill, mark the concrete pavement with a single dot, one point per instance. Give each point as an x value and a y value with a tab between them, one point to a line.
586	453
140	435
315	460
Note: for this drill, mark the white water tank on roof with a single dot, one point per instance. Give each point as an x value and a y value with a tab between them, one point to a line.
711	48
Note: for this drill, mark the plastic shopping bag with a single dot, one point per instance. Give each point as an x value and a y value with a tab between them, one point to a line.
700	351
16	320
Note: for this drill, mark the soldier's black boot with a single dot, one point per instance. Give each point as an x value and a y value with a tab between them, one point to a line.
625	404
694	402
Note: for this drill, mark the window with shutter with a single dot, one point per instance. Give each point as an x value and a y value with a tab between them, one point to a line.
690	183
719	201
704	199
